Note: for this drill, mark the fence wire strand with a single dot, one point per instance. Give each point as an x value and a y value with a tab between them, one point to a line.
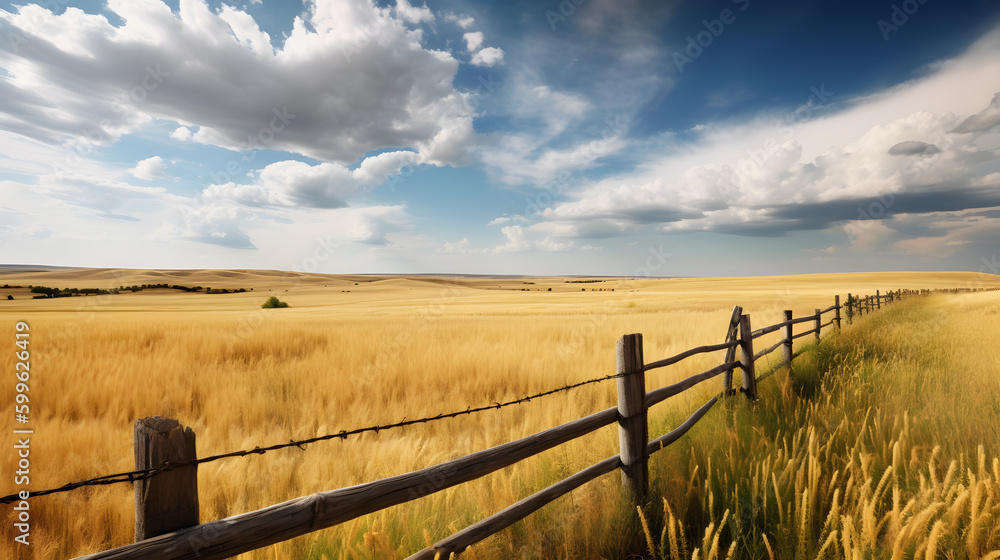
133	476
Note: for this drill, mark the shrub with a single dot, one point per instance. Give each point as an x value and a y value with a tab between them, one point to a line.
9	297
273	302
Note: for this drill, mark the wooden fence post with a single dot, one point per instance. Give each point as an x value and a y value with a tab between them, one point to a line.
819	323
878	300
734	324
836	310
633	431
167	501
746	359
786	348
850	309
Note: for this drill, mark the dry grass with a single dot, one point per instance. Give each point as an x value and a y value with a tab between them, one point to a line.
395	347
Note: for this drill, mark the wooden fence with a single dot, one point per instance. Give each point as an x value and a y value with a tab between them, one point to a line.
164	502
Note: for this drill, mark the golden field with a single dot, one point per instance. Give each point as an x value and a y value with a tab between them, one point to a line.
355	351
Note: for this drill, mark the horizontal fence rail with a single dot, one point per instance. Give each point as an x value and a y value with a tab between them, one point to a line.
249	531
657	396
688	353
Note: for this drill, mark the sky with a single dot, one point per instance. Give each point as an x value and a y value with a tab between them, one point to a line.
591	137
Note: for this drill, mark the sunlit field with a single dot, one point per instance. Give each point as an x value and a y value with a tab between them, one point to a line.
883	438
883	442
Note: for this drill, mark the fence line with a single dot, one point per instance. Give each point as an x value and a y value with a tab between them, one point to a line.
253	530
143	474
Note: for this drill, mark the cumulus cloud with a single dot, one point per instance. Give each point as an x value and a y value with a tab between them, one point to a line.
985	120
229	223
292	183
522	238
461	247
413	14
490	56
219	77
181	133
150	168
462	21
473	40
216	224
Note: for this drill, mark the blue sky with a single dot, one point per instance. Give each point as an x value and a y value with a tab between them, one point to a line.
604	137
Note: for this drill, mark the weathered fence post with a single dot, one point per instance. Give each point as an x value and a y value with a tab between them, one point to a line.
746	359
818	324
734	324
167	501
850	309
633	431
836	310
878	300
786	348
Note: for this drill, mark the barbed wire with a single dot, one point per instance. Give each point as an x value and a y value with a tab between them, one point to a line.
133	476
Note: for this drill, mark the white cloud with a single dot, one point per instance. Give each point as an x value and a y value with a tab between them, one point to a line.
181	133
918	148
473	40
549	146
218	73
521	239
985	120
499	221
462	247
150	168
462	21
490	56
292	183
413	14
217	224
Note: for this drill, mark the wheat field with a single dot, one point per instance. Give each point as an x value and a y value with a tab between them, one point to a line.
355	351
883	442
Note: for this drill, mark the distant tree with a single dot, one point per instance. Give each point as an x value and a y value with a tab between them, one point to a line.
550	289
273	302
9	297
